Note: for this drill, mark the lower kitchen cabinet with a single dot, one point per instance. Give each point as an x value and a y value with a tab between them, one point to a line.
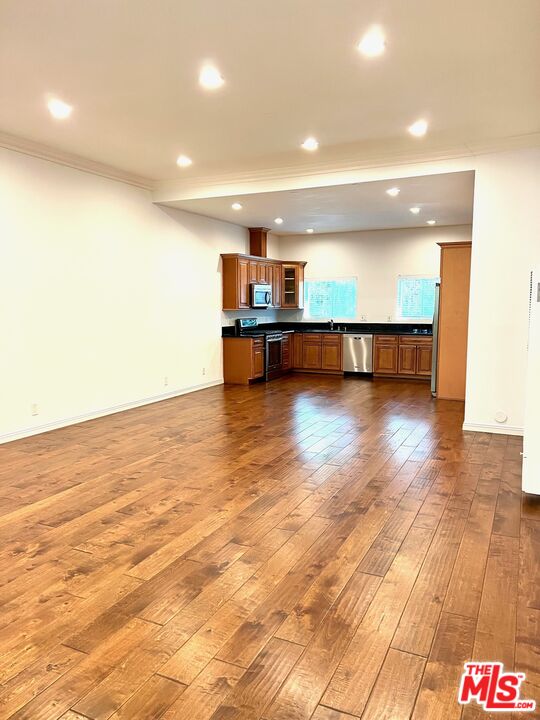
257	356
243	360
297	340
407	360
424	354
331	352
312	356
317	352
385	355
402	356
286	352
393	356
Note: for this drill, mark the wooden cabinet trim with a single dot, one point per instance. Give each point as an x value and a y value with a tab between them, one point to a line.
245	256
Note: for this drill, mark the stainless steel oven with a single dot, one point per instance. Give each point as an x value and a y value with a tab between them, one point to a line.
260	296
274	355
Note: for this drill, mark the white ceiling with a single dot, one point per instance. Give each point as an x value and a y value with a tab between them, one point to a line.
446	198
129	68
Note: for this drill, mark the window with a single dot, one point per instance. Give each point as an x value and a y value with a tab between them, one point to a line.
416	297
330	298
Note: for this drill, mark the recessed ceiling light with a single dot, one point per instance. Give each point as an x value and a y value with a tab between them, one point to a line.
309	230
431	222
236	206
372	43
310	143
59	109
418	128
210	77
278	221
415	210
184	161
393	191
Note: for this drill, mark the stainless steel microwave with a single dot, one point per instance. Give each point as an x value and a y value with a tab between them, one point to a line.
260	296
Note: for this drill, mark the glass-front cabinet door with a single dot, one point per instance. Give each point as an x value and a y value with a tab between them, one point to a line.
292	285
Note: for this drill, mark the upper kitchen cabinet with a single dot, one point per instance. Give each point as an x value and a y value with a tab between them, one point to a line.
292	295
236	271
239	271
276	284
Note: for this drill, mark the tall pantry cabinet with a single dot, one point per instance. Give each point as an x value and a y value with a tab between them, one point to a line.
453	320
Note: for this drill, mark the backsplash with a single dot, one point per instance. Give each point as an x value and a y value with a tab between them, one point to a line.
263	316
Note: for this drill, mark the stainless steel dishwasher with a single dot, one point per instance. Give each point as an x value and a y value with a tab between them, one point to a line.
358	353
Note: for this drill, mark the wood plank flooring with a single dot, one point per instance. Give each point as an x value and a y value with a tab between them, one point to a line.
314	548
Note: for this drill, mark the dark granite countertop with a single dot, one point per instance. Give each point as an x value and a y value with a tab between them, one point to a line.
341	328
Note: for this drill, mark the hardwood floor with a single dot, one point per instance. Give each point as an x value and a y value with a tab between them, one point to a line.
316	547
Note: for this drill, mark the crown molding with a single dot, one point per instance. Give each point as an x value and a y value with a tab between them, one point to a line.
332	172
44	152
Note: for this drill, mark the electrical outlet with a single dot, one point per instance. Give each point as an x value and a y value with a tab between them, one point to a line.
34	409
389	318
204	371
363	318
165	380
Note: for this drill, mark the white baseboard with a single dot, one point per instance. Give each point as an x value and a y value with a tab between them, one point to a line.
64	422
496	429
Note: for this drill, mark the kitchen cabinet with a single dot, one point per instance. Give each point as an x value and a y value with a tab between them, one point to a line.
257	358
286	352
453	320
404	355
424	355
243	359
331	352
238	271
253	271
292	292
263	273
407	360
385	355
312	351
243	284
236	278
275	269
317	351
298	350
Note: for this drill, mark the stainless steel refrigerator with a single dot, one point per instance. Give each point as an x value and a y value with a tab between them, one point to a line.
435	340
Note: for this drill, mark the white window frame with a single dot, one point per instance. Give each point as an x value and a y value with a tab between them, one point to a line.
329	279
399	316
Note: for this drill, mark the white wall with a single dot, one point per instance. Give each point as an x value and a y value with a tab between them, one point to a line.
102	295
506	247
376	258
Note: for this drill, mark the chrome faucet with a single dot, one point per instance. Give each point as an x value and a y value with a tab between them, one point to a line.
331	323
